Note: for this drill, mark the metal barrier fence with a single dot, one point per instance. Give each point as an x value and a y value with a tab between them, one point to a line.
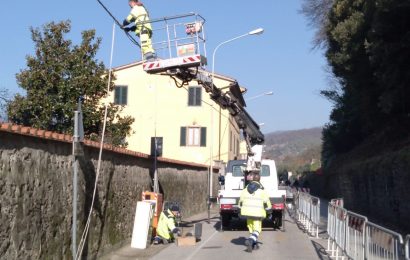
352	236
315	215
382	243
338	202
356	239
336	228
308	212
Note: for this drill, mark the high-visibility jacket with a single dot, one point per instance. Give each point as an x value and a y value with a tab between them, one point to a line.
166	224
254	201
139	14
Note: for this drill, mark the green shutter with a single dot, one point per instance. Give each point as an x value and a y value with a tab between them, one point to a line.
198	96
191	96
183	136
124	94
203	136
116	95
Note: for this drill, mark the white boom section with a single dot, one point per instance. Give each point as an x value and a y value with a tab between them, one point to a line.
254	159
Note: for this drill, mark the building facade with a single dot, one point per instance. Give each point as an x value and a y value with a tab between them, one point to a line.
184	122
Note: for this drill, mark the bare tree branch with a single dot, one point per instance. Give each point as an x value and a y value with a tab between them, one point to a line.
316	11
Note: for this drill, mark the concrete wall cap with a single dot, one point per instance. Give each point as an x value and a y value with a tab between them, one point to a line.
45	134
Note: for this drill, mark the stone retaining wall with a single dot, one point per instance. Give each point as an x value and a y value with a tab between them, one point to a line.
377	187
36	193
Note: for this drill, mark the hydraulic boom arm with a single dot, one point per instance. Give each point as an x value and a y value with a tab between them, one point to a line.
233	102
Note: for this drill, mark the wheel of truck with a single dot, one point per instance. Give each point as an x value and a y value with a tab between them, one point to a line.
277	220
225	221
283	221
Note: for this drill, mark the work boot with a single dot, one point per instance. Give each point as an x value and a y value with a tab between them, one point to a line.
150	56
249	245
157	240
255	246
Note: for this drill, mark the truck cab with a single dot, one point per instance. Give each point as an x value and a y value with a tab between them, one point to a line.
235	180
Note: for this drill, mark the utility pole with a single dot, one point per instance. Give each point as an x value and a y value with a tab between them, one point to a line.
77	138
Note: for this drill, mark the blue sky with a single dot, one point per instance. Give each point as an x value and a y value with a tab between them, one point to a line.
279	60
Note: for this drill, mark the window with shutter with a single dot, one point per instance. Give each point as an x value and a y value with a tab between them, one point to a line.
194	96
193	136
121	95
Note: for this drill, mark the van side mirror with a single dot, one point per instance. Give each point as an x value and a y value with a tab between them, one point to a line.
221	180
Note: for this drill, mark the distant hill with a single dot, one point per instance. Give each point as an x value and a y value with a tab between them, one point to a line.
295	150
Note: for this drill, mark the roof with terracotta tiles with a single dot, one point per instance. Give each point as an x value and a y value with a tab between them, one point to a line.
44	134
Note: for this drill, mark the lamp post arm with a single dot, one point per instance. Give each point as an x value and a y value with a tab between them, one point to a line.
217	47
260	95
269	93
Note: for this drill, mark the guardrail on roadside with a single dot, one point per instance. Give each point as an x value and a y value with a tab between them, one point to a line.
336	228
355	246
351	235
382	243
308	212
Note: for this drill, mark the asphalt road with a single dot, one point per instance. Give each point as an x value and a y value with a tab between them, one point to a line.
274	244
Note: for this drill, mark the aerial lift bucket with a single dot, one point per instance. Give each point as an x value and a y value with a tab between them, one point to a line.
179	43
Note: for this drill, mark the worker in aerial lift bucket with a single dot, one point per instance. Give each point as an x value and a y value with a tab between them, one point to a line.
255	205
166	229
139	16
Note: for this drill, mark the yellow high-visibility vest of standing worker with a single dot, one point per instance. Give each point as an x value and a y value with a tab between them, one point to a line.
142	28
254	203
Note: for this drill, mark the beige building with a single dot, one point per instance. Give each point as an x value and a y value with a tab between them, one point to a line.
190	126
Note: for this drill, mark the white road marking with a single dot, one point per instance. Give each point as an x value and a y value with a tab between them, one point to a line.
199	248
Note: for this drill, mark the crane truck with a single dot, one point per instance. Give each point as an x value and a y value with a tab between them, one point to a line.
186	57
186	67
235	180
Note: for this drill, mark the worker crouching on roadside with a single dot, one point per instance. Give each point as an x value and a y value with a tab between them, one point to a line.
166	229
255	205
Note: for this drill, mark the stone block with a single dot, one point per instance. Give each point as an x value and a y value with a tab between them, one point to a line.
186	241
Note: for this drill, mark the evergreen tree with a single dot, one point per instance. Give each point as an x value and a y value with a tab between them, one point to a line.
56	77
367	48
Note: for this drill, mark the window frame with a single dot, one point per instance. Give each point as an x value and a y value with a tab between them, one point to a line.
120	96
193	136
194	96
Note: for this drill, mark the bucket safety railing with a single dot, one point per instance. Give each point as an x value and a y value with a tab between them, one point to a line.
179	35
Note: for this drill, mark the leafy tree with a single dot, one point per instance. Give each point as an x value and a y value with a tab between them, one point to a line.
59	74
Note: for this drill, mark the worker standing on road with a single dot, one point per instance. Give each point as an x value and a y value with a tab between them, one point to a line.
142	27
255	204
166	226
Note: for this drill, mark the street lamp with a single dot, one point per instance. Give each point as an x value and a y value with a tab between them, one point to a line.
269	93
257	31
253	32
